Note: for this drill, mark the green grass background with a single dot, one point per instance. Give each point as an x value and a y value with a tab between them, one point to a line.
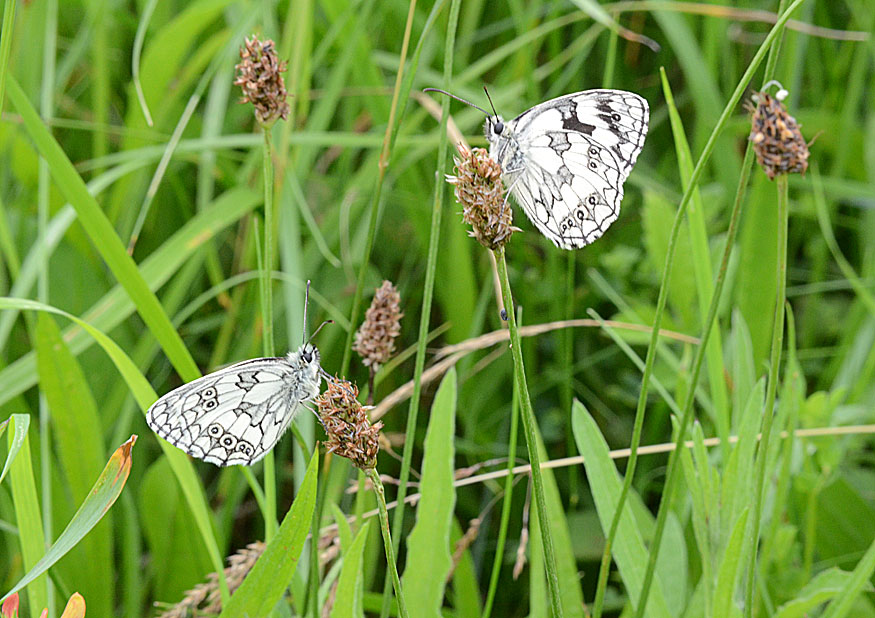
81	166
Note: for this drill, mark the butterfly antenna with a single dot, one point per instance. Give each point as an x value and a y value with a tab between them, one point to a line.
306	304
318	329
490	101
455	97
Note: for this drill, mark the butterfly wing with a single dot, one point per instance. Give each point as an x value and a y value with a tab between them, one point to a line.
576	151
232	416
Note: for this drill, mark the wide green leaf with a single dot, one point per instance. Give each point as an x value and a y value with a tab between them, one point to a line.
859	581
428	547
629	551
727	574
350	592
825	586
273	572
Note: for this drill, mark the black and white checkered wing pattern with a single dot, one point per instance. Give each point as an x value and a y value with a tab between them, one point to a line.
573	155
237	414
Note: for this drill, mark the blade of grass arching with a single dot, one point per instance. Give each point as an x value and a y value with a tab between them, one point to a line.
604	482
17	434
273	572
727	574
701	258
859	581
774	375
505	505
103	236
866	296
102	496
712	312
431	266
27	514
428	545
116	305
145	396
80	453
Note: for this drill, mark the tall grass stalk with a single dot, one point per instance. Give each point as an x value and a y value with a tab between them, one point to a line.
387	541
428	285
505	505
270	525
529	424
385	156
657	321
772	387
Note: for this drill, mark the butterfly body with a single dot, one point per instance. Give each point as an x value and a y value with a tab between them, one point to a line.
237	414
566	159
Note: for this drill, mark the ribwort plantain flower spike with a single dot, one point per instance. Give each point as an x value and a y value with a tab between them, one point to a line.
258	76
481	193
776	136
375	339
350	433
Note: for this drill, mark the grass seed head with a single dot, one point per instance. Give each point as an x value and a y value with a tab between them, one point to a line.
258	76
481	193
375	339
350	433
777	140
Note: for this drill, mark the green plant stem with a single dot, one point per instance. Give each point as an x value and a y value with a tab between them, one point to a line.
505	506
427	292
387	540
529	424
772	388
270	523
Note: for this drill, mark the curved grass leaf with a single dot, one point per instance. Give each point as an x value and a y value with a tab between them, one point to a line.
145	396
20	425
428	546
116	305
103	495
272	574
103	235
825	586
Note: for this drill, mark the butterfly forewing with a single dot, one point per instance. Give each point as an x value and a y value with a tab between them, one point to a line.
237	414
566	159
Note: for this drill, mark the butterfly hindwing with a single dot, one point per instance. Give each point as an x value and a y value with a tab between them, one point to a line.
566	159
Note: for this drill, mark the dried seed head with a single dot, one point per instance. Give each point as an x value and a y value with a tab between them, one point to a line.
777	140
481	193
258	75
375	339
350	433
193	603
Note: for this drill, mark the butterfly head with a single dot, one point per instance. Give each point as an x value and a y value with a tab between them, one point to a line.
495	128
306	355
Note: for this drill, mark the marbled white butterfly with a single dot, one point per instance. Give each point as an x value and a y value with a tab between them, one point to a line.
237	414
566	159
